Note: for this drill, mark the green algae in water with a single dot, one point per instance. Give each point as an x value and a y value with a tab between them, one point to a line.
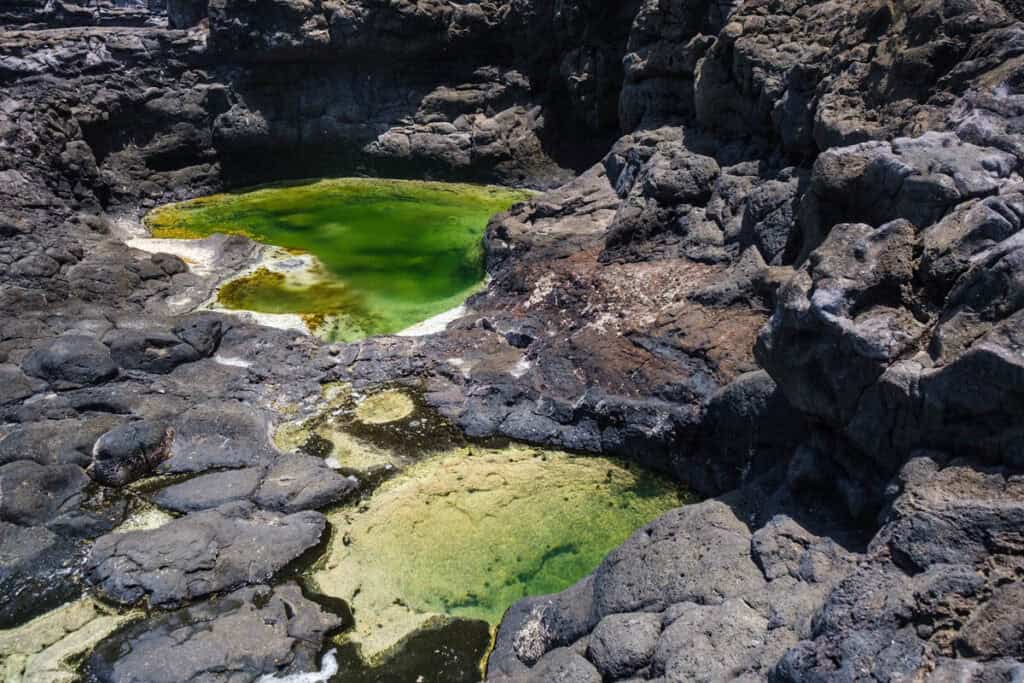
469	533
394	253
360	434
51	646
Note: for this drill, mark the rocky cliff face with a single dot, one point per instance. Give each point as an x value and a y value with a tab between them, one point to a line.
779	260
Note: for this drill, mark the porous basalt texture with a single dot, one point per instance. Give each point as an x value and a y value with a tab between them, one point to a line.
199	555
887	265
692	596
252	632
791	279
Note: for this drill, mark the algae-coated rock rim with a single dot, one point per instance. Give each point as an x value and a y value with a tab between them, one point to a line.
151	218
384	407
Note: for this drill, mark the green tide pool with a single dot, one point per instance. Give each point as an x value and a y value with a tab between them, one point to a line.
450	533
467	533
388	253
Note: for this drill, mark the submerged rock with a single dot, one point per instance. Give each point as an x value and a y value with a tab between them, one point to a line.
447	650
50	647
384	407
381	432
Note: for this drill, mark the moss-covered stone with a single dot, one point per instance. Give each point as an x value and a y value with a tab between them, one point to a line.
273	292
468	533
144	518
384	407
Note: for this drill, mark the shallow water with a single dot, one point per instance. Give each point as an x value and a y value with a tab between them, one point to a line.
389	253
467	533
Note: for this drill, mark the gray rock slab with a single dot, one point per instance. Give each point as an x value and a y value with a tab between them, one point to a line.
199	554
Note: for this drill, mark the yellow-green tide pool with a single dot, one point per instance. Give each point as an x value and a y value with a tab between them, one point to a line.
432	556
389	253
468	533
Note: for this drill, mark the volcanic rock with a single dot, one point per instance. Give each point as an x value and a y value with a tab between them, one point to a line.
252	632
128	453
71	361
200	554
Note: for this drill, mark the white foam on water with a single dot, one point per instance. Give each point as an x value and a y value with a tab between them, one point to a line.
434	325
328	668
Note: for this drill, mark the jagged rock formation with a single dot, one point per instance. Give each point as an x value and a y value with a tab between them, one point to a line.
792	281
893	337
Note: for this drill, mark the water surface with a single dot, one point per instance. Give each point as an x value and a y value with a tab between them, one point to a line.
450	533
388	253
